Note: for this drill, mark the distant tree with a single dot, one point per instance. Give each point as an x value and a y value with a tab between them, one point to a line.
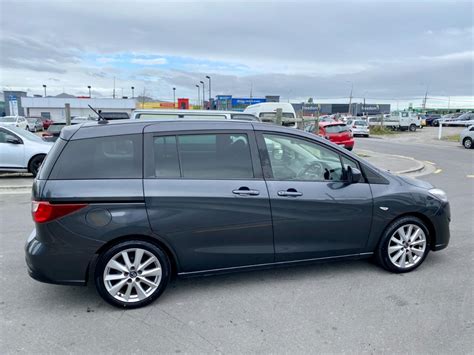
310	100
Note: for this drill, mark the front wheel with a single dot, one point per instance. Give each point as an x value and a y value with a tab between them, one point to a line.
404	245
132	274
412	127
467	143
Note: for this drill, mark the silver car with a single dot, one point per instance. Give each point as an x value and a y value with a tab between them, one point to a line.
358	127
467	136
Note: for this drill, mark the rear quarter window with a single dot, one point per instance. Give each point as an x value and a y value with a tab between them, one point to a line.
115	157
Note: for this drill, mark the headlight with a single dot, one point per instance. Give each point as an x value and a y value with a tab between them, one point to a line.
439	194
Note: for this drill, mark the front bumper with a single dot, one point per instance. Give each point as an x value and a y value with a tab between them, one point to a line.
441	227
47	264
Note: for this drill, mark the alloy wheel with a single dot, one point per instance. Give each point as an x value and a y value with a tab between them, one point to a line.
132	275
407	246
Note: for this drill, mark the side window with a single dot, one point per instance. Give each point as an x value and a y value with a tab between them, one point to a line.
4	135
116	157
215	156
297	159
165	152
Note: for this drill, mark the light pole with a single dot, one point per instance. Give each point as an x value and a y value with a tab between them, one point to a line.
174	97
44	86
209	78
350	97
203	98
199	94
133	92
89	87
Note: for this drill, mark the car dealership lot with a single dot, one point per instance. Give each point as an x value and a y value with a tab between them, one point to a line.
350	306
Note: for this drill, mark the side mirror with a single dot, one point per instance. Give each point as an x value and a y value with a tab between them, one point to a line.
13	140
353	175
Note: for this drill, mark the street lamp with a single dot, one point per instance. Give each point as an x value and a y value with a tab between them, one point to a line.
89	87
174	97
203	98
199	94
133	92
209	78
350	97
44	86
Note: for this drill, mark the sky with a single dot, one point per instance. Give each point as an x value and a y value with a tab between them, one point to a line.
385	51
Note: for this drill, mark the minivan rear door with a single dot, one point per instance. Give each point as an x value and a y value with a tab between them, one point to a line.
206	197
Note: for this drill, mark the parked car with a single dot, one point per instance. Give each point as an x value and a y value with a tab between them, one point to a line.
46	122
34	124
14	121
115	115
81	119
338	133
266	112
21	150
466	137
358	127
130	204
466	119
429	118
445	118
403	121
53	131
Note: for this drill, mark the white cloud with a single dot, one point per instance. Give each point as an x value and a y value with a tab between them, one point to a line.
149	61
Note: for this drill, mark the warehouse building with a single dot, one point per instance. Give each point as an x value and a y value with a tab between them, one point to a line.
357	109
54	107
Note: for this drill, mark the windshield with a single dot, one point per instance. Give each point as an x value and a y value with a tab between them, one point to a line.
273	115
336	128
360	123
26	134
7	119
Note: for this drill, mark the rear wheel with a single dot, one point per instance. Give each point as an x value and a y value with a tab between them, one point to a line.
35	164
467	143
132	274
404	245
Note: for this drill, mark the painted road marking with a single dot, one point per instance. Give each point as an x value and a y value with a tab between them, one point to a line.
429	162
470	176
437	171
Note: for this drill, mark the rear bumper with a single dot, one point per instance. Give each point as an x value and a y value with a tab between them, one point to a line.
46	264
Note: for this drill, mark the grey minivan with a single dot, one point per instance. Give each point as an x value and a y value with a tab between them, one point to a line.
129	204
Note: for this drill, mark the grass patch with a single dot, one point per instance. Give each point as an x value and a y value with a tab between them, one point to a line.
451	138
381	130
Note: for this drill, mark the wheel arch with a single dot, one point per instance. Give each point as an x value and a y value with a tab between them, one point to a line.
144	238
424	219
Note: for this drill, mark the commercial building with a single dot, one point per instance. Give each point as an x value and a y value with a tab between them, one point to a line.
227	102
312	109
54	107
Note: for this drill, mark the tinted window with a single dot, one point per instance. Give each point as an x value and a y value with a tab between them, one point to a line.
116	157
4	135
165	154
360	123
297	159
215	156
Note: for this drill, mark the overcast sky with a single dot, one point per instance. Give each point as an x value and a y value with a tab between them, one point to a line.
385	49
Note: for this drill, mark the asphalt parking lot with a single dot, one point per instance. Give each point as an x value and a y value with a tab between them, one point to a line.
351	306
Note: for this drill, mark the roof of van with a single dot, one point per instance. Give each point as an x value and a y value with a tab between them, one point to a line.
93	129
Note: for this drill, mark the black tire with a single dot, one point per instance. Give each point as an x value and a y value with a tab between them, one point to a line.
435	123
412	127
467	143
106	256
349	148
35	163
382	253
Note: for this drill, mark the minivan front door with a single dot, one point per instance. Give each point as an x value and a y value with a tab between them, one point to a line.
316	214
207	199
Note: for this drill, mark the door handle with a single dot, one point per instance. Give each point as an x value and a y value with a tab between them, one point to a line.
245	191
289	193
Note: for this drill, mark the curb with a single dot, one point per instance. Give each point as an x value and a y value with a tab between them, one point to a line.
420	165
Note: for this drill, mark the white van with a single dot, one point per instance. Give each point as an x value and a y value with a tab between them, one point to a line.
158	114
266	112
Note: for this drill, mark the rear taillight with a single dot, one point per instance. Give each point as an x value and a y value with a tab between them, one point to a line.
45	212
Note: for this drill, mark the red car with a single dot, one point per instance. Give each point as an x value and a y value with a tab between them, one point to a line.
46	122
337	132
